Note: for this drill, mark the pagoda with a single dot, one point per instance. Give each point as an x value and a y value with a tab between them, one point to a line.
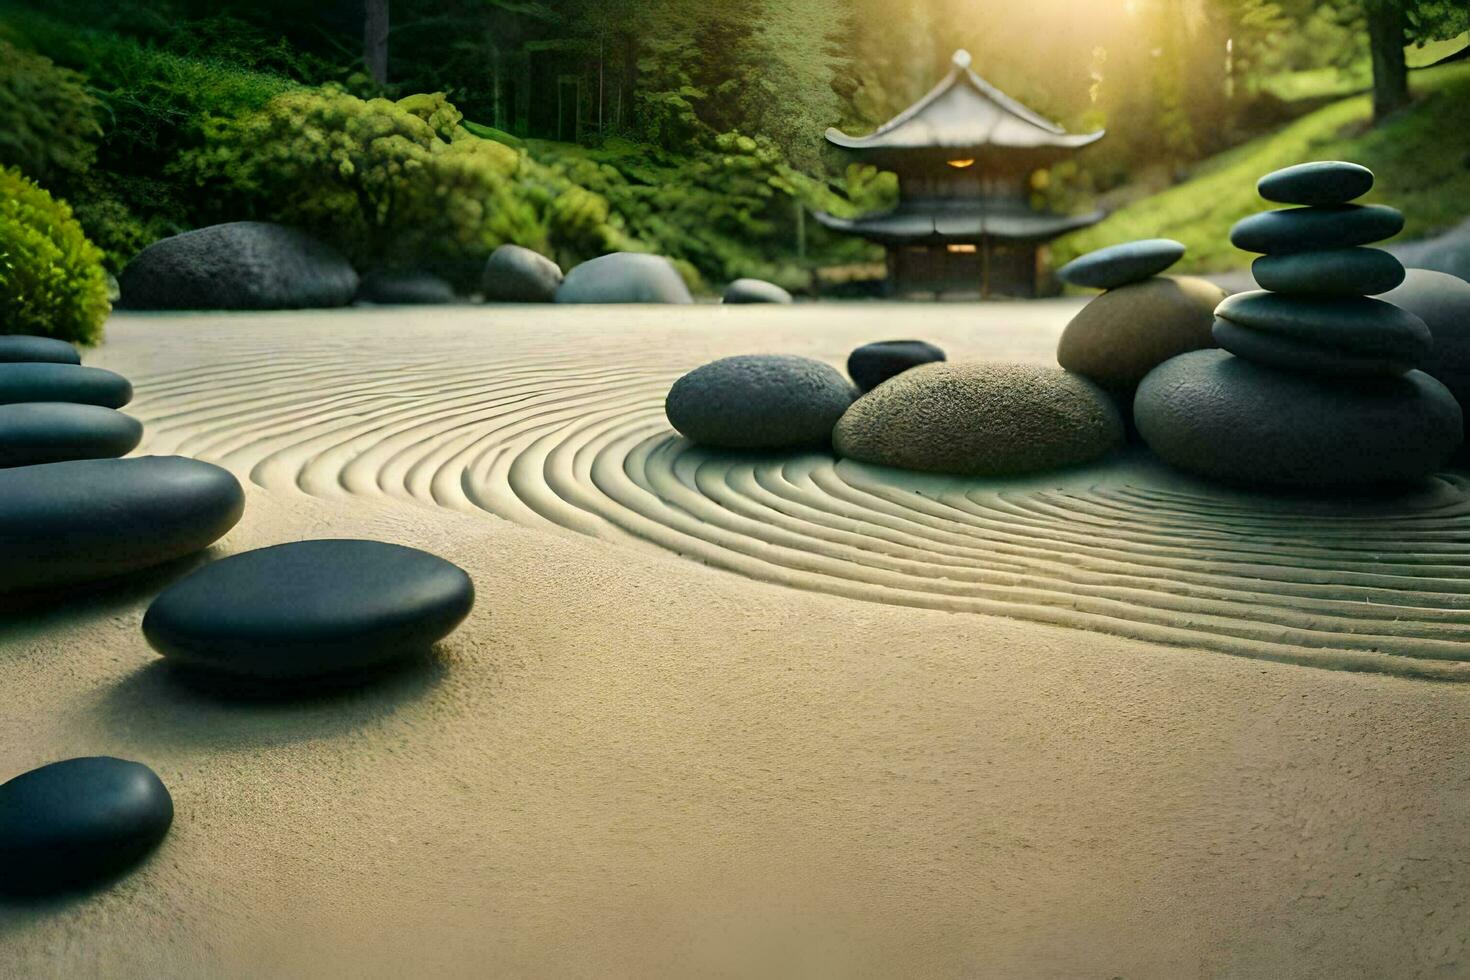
964	155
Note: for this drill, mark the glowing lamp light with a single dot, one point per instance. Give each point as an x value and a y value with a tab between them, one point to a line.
961	164
965	249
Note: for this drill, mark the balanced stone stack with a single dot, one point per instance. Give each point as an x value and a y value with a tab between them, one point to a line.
1141	320
1317	383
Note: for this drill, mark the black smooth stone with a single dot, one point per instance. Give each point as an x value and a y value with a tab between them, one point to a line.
63	383
1289	354
1330	272
1226	418
24	348
1321	182
79	822
515	274
1118	265
1300	229
309	609
50	432
1352	324
759	401
872	364
66	523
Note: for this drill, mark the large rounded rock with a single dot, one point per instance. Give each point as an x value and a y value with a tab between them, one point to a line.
1118	265
872	364
759	401
624	277
1443	302
1329	272
404	289
980	419
1226	418
66	523
63	383
24	348
1125	333
79	822
1321	182
1301	229
518	275
309	609
244	265
50	432
755	291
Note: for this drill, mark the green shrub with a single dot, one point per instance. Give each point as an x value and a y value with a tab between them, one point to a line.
50	120
51	278
392	184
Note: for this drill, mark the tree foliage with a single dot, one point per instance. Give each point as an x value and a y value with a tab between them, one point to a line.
51	277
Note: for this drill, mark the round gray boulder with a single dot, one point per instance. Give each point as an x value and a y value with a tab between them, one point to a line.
519	275
244	265
1225	418
624	277
759	401
1442	301
980	419
755	291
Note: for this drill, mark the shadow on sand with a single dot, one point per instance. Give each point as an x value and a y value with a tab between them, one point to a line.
166	705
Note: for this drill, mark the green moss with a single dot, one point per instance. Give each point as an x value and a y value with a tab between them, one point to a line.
1418	155
51	278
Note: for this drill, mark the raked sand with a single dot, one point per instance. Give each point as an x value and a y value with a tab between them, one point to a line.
760	716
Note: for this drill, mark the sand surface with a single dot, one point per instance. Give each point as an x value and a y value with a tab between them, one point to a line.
760	717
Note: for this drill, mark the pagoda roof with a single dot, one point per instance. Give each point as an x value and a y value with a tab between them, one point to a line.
964	112
941	222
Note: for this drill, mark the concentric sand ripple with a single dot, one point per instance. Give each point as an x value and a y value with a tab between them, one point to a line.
572	436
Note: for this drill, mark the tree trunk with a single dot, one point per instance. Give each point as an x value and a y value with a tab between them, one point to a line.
375	39
1386	26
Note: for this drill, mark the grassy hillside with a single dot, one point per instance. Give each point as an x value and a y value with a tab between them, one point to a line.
1420	157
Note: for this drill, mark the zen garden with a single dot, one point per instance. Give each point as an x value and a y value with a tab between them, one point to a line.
675	488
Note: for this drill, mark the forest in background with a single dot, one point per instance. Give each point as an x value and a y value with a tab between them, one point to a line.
420	133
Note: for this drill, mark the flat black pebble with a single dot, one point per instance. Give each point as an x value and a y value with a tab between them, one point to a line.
1329	272
77	822
309	609
1300	229
872	364
23	348
63	383
1118	265
1319	182
51	432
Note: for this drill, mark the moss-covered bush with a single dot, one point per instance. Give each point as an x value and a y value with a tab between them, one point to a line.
392	184
51	278
49	119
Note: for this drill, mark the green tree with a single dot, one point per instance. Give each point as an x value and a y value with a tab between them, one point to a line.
1391	25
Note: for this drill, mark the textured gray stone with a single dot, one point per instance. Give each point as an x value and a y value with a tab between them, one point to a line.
1329	272
23	348
309	609
67	523
980	419
759	401
1126	332
79	822
244	265
872	364
42	382
1321	182
404	289
51	432
519	275
624	277
1118	265
1301	229
1226	418
1351	324
755	291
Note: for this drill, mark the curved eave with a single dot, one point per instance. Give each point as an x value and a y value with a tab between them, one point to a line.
961	143
902	227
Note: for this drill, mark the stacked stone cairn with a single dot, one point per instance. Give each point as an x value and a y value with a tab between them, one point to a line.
1317	385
